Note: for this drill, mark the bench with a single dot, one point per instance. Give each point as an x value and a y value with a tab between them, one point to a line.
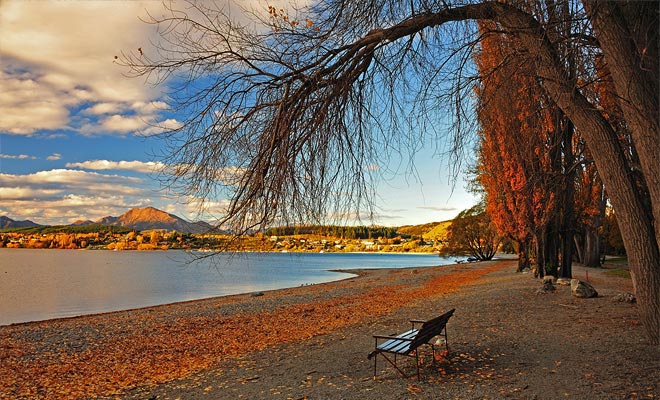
406	343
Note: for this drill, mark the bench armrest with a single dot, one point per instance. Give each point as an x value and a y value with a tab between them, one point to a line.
392	337
416	321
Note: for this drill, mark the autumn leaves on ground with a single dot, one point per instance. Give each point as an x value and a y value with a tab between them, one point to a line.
108	354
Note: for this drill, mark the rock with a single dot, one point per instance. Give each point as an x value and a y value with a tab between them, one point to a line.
257	294
624	298
548	278
526	271
548	286
563	281
582	289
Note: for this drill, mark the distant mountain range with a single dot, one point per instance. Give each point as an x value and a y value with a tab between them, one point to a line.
137	218
6	222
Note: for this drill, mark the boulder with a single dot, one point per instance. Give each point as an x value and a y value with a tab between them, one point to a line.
563	281
624	298
548	286
582	289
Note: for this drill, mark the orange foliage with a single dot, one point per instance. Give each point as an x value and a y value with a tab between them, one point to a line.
514	161
164	347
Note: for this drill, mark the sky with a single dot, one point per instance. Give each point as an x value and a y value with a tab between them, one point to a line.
78	139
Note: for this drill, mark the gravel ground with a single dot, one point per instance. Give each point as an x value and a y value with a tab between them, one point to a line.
506	341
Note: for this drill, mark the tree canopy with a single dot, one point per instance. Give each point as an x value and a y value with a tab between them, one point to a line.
288	110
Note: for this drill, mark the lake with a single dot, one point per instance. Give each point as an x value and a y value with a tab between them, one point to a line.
44	284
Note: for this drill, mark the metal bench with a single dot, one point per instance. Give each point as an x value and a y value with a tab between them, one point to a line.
408	342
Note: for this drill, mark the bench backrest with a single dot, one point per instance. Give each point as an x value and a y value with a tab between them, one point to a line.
431	328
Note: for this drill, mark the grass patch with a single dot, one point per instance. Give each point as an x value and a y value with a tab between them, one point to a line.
613	260
619	272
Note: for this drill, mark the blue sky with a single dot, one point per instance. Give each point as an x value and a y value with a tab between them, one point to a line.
78	140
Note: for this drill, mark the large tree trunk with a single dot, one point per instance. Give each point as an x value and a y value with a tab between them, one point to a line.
633	63
523	255
540	254
591	248
579	248
568	201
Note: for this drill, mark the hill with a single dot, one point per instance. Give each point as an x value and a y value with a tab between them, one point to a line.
152	218
431	230
438	232
8	223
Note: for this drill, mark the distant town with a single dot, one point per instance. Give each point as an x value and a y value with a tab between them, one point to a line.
152	229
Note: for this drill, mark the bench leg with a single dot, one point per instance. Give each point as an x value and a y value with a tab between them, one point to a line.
393	363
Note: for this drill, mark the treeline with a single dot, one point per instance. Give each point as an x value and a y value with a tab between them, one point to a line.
70	229
343	232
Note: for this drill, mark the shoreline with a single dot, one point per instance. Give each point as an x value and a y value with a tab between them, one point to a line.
228	297
328	274
321	334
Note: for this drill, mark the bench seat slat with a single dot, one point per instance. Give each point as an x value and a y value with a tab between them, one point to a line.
399	346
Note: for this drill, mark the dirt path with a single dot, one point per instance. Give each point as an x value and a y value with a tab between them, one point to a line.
506	342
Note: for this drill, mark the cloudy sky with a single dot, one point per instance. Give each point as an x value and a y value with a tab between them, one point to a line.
77	137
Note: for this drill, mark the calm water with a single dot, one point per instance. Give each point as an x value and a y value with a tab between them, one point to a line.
44	284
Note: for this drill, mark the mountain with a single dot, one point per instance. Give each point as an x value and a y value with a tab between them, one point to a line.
151	218
108	221
80	222
6	222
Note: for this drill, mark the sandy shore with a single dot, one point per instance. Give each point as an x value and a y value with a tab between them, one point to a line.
311	342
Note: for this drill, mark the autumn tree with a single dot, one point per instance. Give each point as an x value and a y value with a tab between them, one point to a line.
531	159
473	233
515	151
286	119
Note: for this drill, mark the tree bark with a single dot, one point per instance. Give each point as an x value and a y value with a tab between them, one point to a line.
523	255
591	248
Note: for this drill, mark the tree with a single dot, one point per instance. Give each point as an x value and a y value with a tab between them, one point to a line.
516	146
287	120
473	233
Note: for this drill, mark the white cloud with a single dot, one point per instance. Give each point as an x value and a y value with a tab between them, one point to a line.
150	107
60	196
103	108
137	166
54	157
57	55
18	157
65	177
434	208
160	127
122	124
78	40
26	105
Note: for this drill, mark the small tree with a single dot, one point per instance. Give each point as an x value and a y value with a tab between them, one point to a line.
473	233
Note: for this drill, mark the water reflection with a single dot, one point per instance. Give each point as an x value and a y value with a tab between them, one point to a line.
45	284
